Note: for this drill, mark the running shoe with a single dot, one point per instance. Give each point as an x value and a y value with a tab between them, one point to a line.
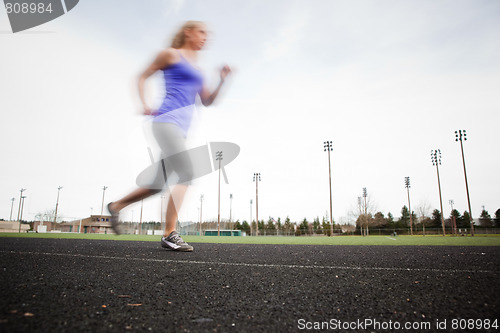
114	220
175	242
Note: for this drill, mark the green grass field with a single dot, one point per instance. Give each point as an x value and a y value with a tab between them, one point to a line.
478	240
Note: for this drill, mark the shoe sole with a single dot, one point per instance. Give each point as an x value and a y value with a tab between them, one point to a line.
114	220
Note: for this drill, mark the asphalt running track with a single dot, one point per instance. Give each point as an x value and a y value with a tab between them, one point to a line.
60	285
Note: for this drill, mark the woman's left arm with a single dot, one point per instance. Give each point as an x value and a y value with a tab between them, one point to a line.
207	97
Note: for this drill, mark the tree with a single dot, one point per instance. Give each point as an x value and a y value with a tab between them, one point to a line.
237	226
279	225
254	227
404	220
363	222
424	221
423	210
485	219
414	218
459	219
245	227
379	220
270	227
47	216
304	227
317	226
497	218
390	221
325	224
287	226
466	218
436	218
363	213
261	225
455	215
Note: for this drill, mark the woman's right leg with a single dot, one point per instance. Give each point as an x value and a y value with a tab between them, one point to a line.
136	195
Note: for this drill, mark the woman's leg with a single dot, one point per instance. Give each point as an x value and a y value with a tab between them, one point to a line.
174	205
134	196
172	142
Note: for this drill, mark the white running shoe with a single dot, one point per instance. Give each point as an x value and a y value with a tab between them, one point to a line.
175	242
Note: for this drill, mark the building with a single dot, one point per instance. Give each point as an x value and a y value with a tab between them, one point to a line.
13	226
95	224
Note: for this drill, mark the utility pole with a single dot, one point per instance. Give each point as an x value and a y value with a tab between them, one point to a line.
328	147
459	136
436	160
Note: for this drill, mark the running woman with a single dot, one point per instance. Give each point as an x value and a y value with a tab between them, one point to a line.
183	82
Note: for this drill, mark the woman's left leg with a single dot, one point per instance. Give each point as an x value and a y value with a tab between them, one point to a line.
174	205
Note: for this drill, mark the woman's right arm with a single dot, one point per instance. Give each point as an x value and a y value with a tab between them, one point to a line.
164	59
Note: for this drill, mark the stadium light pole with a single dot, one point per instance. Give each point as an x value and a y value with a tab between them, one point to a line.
360	213
20	199
251	202
201	211
22	208
219	158
231	213
436	160
365	195
256	179
453	219
140	219
102	206
459	136
329	147
163	214
407	185
11	208
57	203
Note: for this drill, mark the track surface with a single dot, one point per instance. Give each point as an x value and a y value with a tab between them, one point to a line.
60	285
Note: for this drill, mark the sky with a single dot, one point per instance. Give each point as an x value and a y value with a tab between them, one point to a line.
385	81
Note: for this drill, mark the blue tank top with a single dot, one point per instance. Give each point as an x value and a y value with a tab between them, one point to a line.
182	82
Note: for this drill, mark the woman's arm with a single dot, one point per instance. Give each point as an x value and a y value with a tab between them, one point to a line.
208	98
164	59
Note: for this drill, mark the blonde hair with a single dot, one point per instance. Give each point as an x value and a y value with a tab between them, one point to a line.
180	38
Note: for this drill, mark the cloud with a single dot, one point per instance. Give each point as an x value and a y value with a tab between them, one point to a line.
288	36
174	7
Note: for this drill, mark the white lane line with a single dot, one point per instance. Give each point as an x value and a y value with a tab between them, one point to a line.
216	263
390	238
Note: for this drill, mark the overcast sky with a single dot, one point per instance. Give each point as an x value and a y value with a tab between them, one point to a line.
385	81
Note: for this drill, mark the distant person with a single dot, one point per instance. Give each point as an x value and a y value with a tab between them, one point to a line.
183	83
